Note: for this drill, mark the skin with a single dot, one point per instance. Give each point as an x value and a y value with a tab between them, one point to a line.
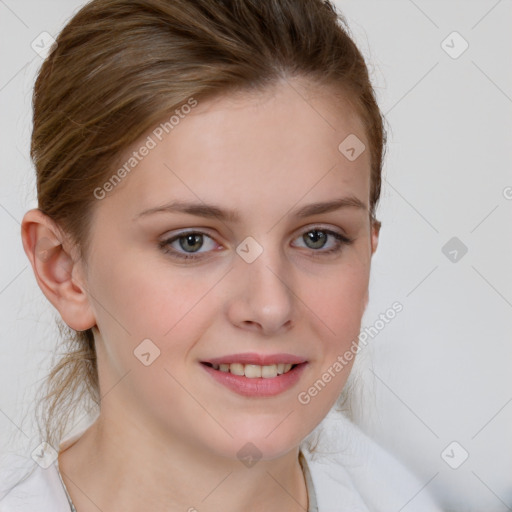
168	435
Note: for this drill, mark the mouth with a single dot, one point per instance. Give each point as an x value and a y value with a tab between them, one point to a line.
254	371
273	375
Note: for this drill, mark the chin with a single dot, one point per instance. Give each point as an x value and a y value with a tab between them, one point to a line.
267	440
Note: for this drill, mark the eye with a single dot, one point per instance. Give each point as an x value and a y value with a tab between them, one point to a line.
317	238
187	245
189	242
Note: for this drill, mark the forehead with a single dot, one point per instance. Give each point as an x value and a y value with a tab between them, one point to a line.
242	150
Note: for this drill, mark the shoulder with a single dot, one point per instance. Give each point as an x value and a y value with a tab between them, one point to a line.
348	467
25	486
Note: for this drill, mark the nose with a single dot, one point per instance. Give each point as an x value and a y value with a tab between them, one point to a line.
262	298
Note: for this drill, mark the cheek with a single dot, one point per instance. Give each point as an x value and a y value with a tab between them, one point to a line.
146	309
338	300
135	301
147	299
337	310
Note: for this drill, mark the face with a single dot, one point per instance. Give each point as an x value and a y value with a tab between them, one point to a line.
210	273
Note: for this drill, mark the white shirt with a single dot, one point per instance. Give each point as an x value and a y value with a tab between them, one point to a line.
346	472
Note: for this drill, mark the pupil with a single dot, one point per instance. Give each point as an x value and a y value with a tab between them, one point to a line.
194	239
316	236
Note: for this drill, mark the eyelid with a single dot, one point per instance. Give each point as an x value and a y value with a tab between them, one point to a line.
186	231
321	227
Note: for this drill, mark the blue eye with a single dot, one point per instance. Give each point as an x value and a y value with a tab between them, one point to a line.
190	242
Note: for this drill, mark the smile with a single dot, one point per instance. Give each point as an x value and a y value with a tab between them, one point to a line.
253	380
254	371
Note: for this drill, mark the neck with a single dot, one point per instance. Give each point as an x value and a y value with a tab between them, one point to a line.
118	466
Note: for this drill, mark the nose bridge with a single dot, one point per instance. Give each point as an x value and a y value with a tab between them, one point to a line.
263	297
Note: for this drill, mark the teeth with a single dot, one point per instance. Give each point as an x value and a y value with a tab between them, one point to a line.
253	371
236	369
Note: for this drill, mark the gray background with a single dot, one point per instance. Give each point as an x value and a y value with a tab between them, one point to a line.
440	371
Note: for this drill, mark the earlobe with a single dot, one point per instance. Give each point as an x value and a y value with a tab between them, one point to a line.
56	270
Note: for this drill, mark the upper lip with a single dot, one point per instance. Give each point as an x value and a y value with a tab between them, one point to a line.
259	359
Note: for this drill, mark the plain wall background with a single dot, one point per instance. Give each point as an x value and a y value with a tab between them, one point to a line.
440	371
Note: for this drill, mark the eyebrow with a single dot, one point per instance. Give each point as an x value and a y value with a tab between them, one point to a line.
216	212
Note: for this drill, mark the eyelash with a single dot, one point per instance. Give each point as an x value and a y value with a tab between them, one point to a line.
341	241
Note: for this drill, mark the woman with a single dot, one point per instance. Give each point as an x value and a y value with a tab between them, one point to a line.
208	174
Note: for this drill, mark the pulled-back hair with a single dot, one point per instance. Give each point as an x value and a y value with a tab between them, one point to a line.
119	66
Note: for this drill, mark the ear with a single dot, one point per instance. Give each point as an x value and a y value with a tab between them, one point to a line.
57	269
374	239
376	224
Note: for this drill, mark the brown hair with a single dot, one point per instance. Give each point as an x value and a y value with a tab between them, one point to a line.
119	66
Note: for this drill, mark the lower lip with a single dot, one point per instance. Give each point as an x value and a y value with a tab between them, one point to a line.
258	386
